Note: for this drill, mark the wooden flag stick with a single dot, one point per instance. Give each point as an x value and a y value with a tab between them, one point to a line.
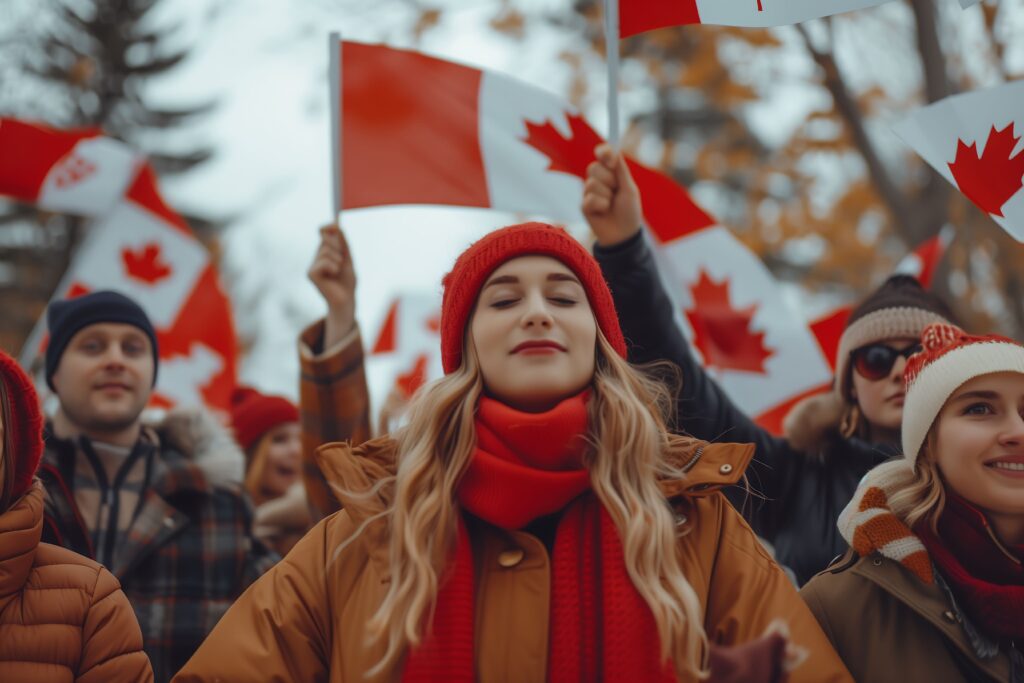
335	95
611	44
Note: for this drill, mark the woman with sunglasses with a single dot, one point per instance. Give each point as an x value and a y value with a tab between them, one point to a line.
805	479
933	586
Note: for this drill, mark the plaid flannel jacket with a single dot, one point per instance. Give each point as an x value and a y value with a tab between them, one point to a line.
334	405
188	555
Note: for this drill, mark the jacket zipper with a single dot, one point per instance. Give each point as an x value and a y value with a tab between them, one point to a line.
693	461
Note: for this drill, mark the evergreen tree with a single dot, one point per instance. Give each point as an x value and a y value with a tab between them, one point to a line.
84	63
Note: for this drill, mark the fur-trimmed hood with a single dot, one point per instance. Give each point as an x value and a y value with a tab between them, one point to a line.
204	442
814	422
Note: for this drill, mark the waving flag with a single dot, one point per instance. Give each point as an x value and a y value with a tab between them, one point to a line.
419	130
136	245
637	16
974	141
410	337
921	263
78	172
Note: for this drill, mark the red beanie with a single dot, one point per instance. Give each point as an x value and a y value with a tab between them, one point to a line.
254	414
25	429
474	266
949	359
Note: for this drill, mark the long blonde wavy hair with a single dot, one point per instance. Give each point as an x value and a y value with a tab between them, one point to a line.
627	455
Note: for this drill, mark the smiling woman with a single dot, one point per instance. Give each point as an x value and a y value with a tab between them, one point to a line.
940	531
268	430
534	520
534	333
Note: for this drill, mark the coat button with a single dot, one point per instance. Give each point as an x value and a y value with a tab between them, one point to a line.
950	617
168	522
510	558
725	469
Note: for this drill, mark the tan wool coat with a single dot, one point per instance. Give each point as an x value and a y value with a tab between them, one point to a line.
306	619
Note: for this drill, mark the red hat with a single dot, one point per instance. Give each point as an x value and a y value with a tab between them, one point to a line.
949	358
254	414
25	429
474	266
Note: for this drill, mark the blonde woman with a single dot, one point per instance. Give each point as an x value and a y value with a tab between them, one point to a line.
268	430
533	521
933	588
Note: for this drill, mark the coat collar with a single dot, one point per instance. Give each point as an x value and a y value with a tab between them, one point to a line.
362	478
21	527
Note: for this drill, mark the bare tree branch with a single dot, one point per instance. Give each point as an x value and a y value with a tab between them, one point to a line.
847	107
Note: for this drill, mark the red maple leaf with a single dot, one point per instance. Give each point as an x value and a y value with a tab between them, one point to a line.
570	154
409	382
991	179
722	333
146	264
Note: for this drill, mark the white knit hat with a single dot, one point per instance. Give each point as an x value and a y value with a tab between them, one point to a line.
950	357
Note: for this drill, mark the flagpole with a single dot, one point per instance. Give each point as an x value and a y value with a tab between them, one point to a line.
611	43
335	94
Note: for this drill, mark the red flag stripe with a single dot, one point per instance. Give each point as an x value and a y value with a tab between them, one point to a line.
638	16
388	117
28	152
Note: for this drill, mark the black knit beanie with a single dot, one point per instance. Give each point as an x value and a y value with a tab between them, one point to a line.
65	318
901	307
900	291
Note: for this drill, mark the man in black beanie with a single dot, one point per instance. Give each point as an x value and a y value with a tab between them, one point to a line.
160	505
110	368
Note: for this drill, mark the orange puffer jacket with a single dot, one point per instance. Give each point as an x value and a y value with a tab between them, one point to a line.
63	617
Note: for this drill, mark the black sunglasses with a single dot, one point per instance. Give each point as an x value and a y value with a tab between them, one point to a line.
875	361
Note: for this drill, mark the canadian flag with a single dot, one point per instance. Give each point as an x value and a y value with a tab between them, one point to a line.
419	130
78	172
136	245
637	16
974	141
828	329
411	338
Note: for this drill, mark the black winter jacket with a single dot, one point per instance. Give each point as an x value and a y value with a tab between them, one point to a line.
803	492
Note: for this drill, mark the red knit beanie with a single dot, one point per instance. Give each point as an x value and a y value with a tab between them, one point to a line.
254	414
25	428
949	359
462	285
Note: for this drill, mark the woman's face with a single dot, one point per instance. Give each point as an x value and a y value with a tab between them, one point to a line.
980	443
534	333
879	390
284	459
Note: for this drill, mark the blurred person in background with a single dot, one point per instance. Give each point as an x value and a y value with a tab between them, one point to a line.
268	430
161	505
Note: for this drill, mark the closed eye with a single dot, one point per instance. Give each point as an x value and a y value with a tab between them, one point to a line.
503	303
563	301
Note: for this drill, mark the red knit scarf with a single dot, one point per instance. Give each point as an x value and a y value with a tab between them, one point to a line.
987	582
527	466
